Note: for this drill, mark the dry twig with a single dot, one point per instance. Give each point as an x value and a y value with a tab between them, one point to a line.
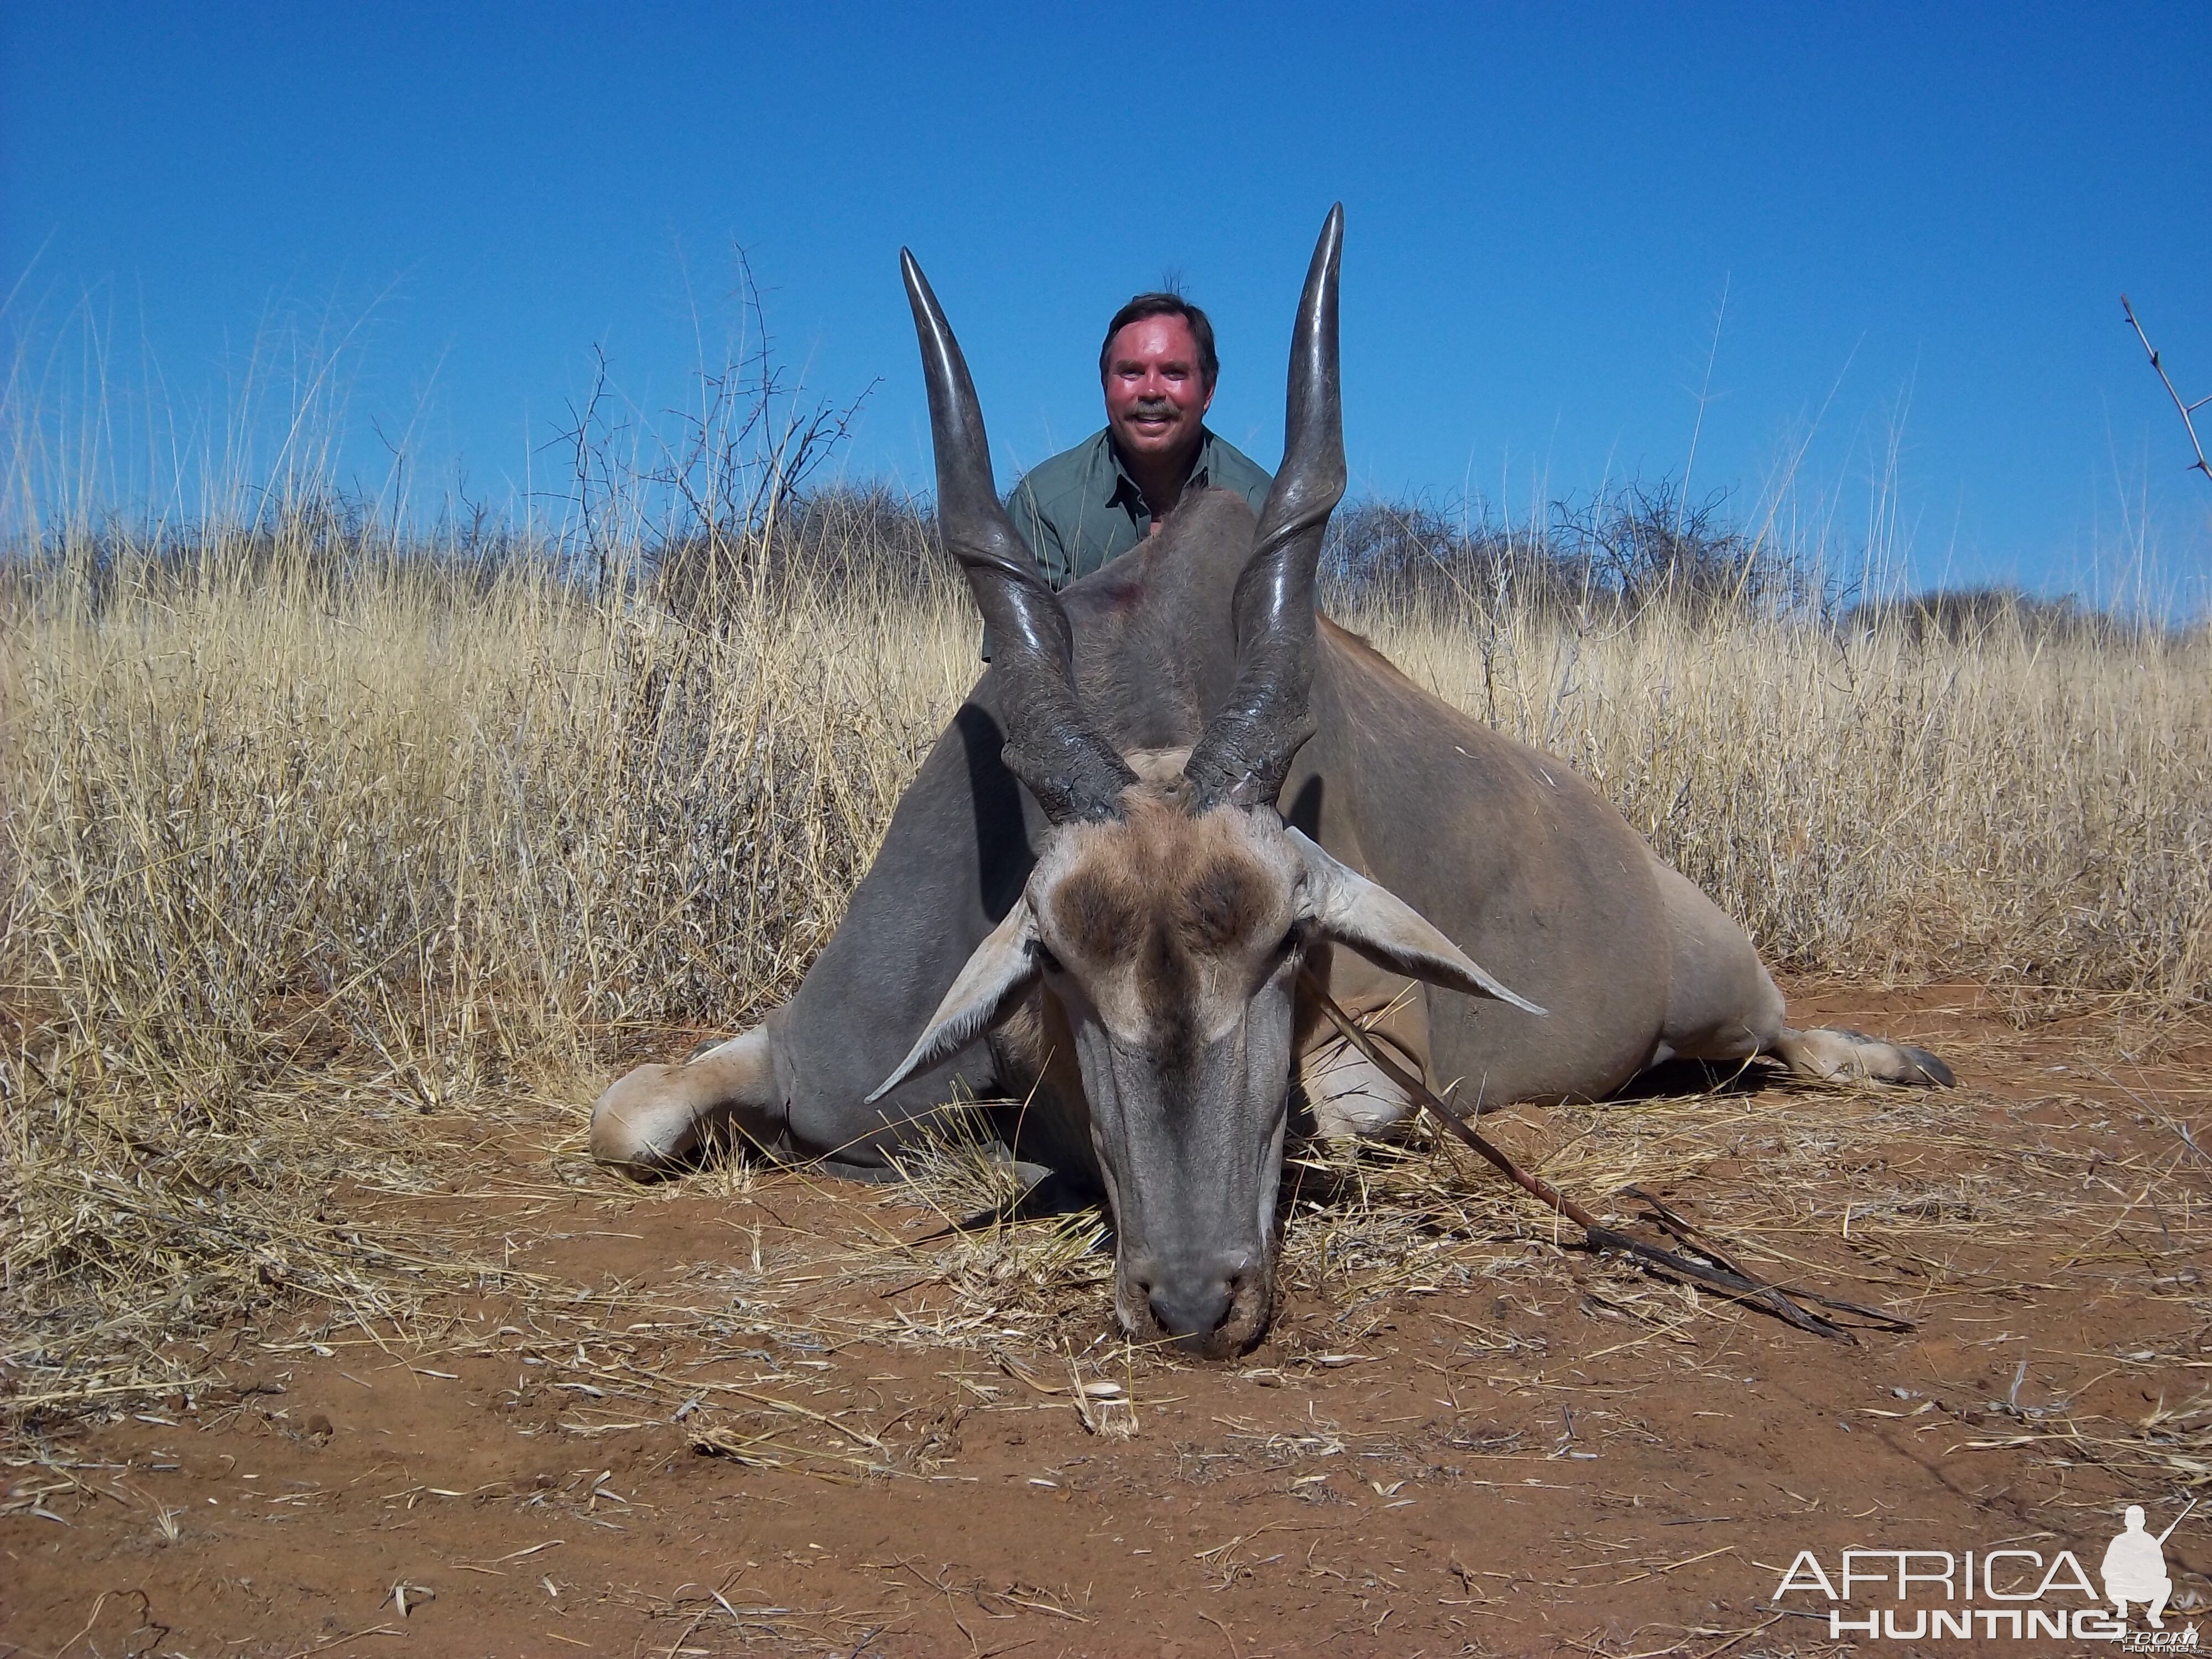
2188	411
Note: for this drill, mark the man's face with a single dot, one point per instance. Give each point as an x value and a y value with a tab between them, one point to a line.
1156	395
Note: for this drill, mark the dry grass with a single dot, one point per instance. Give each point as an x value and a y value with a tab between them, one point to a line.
2022	805
293	853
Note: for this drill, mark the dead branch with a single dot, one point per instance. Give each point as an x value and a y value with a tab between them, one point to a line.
2187	410
1716	1268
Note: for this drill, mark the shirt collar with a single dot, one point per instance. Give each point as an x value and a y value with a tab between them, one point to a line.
1125	487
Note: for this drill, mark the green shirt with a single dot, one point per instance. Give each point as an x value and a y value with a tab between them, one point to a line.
1081	507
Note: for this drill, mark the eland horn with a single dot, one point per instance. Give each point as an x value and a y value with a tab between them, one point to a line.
1050	746
1246	747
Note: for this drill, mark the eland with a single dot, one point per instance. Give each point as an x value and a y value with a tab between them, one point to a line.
1176	788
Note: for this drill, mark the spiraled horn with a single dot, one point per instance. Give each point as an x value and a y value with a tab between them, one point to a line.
1246	747
1050	746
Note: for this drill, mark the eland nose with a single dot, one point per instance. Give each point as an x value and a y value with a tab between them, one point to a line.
1193	1304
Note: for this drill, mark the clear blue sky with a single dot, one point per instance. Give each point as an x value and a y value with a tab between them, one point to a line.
1921	218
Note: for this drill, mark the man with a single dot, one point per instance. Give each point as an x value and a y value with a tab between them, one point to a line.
1097	500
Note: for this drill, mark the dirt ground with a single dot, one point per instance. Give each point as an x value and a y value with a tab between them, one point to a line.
748	1411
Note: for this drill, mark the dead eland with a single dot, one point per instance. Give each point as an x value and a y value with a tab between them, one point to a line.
1176	785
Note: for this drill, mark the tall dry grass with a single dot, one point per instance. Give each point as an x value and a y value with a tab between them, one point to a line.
2025	804
448	831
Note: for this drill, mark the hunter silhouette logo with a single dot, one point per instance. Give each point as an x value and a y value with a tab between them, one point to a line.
2135	1567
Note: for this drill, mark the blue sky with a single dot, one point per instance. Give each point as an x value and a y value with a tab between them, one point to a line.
1921	219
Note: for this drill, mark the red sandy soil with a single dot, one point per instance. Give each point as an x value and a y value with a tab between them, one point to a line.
1595	1483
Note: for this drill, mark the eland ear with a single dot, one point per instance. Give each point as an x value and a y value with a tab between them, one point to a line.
1386	930
1004	967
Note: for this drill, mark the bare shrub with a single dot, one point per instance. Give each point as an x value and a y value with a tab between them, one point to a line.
1619	552
1966	615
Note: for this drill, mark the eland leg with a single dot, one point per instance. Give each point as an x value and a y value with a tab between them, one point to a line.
658	1119
1833	1054
1723	1006
1350	1096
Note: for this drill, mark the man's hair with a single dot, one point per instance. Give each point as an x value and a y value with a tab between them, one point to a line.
1163	305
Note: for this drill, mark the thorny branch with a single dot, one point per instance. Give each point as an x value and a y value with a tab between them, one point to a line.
2187	410
1716	1268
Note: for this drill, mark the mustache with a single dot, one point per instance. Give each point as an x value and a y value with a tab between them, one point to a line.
1152	406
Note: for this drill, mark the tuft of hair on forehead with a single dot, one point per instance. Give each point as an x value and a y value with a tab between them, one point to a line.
1163	876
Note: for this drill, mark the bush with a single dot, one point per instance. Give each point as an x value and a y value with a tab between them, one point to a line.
1619	553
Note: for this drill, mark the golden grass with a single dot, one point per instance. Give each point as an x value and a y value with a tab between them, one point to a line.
293	853
2018	806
